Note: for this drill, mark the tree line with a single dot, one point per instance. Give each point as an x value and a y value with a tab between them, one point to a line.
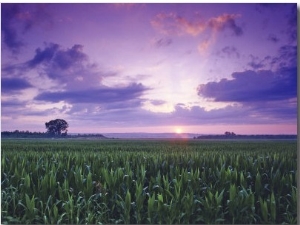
57	128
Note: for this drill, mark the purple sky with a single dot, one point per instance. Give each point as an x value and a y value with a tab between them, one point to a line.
203	68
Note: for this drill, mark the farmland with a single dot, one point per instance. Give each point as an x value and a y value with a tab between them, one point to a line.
148	181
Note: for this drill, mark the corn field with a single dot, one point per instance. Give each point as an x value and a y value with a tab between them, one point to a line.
152	181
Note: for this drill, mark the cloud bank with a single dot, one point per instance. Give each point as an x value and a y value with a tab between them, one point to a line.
10	85
252	86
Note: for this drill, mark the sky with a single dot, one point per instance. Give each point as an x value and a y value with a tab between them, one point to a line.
173	67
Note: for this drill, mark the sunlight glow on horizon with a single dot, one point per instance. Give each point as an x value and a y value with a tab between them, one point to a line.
178	130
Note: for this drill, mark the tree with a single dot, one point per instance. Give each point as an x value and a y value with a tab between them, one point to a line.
227	133
56	127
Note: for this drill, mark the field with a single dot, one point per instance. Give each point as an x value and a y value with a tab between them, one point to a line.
148	181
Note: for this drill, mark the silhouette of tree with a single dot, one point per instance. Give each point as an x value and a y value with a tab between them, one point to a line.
56	127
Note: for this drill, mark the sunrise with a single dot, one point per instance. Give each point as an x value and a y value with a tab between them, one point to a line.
149	113
106	67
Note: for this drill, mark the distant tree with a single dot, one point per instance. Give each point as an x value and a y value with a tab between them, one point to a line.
56	127
227	133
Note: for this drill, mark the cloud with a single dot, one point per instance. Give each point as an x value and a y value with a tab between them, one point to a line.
226	21
204	45
14	70
291	17
292	23
172	24
157	102
69	67
38	16
273	38
196	115
268	95
71	79
58	58
10	36
9	85
229	52
252	86
287	55
16	21
101	95
256	63
162	42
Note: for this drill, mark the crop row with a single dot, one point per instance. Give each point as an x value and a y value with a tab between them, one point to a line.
153	182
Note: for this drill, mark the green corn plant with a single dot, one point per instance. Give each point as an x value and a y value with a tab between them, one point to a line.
127	208
232	202
212	212
188	207
79	178
151	209
258	185
264	209
273	208
69	208
139	198
242	180
30	211
88	189
27	183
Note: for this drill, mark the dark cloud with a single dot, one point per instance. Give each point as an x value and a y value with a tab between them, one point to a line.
57	57
43	56
70	67
65	59
9	33
273	38
14	84
252	86
105	95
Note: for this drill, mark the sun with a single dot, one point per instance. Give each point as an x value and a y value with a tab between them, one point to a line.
178	130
